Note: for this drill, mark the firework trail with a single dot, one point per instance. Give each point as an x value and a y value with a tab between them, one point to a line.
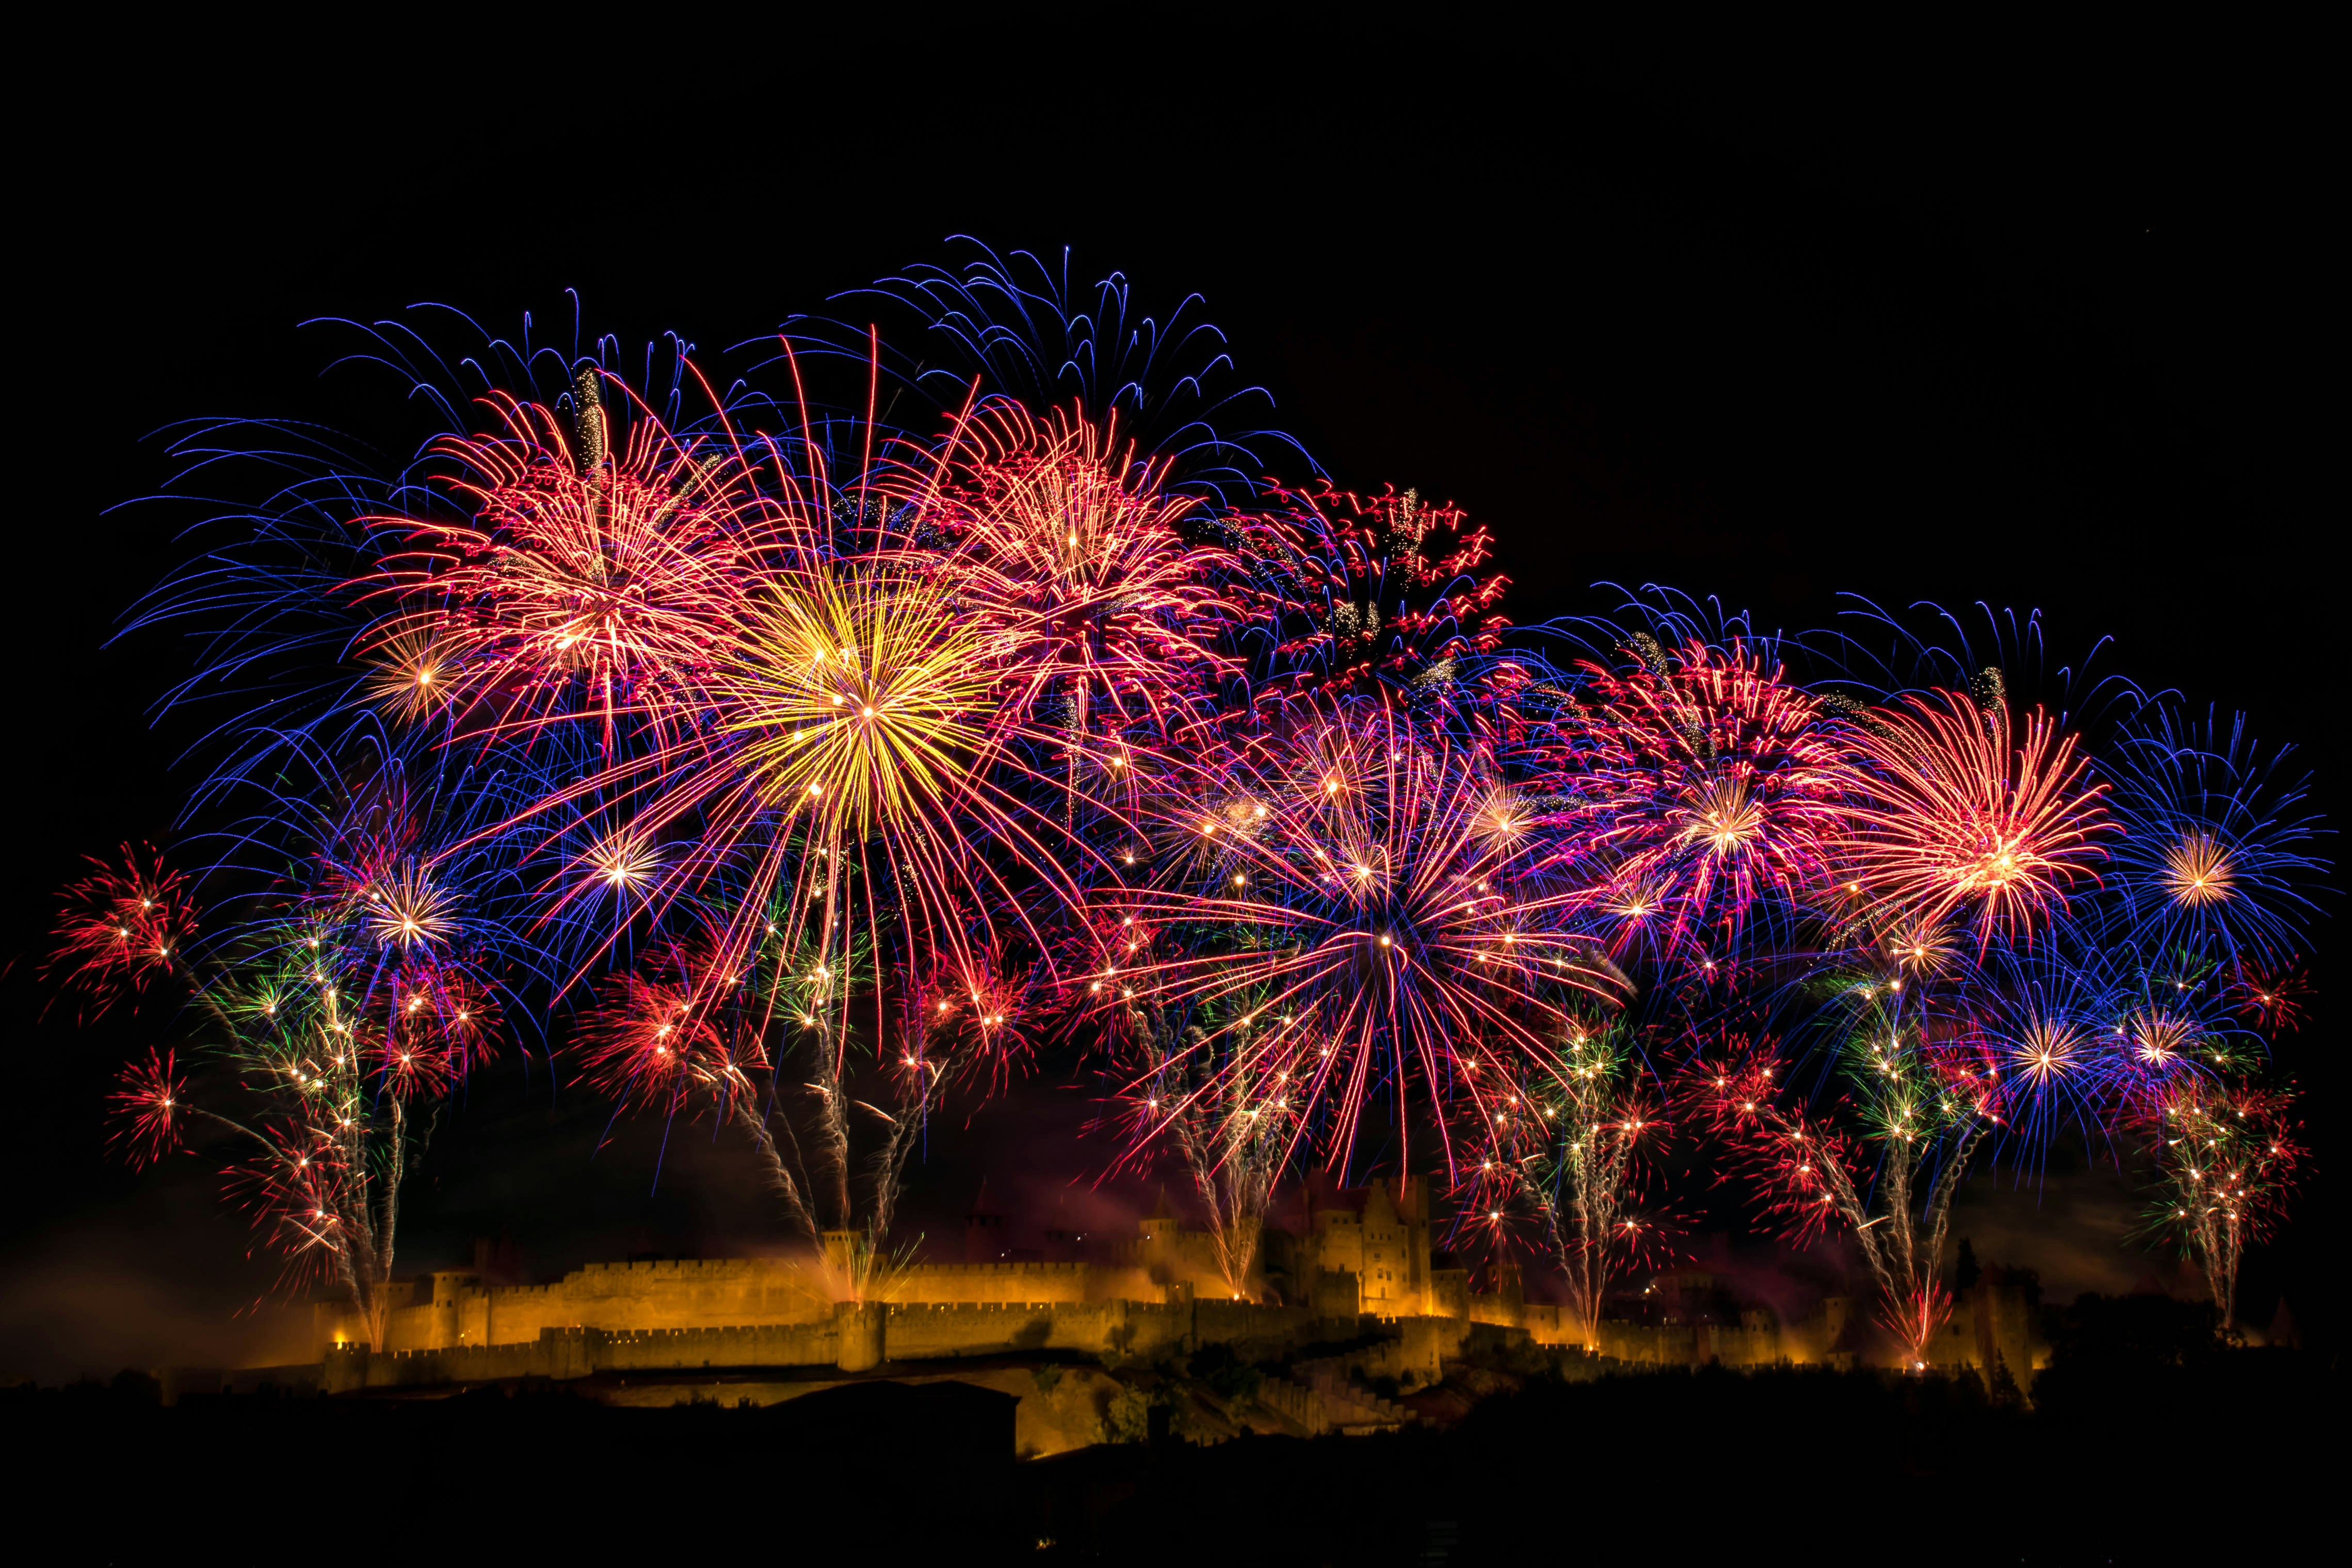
2225	1157
1571	1150
747	1046
1230	1113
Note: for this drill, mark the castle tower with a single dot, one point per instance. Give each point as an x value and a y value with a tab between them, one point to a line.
1384	1267
840	1248
1161	1251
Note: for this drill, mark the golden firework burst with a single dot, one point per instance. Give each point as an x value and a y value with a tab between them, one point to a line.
2197	870
2048	1050
864	698
1723	816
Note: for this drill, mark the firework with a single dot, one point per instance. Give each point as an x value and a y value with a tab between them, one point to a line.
2212	862
748	1043
316	1084
1572	1149
1023	331
582	577
1961	816
1705	784
1389	591
1228	1111
1884	1160
2269	1000
152	1104
855	757
120	928
1351	872
2225	1156
1075	555
840	764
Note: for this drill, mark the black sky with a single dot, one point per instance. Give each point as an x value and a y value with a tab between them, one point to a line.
2034	320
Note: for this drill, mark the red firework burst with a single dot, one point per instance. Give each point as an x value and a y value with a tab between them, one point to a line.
1802	1166
410	1066
122	925
1957	814
2273	998
297	1192
581	573
652	1042
1068	547
152	1101
975	1013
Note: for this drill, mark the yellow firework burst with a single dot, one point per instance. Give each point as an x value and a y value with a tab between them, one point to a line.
864	699
406	910
1723	816
409	674
2197	870
2048	1050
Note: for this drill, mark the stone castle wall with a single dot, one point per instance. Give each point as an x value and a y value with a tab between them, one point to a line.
709	1293
1157	1294
850	1337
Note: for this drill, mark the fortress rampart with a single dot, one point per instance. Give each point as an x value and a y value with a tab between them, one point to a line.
852	1336
1352	1269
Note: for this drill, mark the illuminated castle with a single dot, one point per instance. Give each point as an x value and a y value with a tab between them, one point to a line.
1362	1261
1362	1252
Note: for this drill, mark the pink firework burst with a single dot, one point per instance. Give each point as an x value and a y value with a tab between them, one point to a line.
1338	897
583	575
1708	784
1073	550
1960	813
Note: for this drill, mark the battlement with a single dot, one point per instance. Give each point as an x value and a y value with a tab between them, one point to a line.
896	1307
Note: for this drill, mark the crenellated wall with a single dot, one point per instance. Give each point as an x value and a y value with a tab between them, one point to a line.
712	1293
851	1336
746	1313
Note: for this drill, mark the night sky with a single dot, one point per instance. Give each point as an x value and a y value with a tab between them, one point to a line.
2034	322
